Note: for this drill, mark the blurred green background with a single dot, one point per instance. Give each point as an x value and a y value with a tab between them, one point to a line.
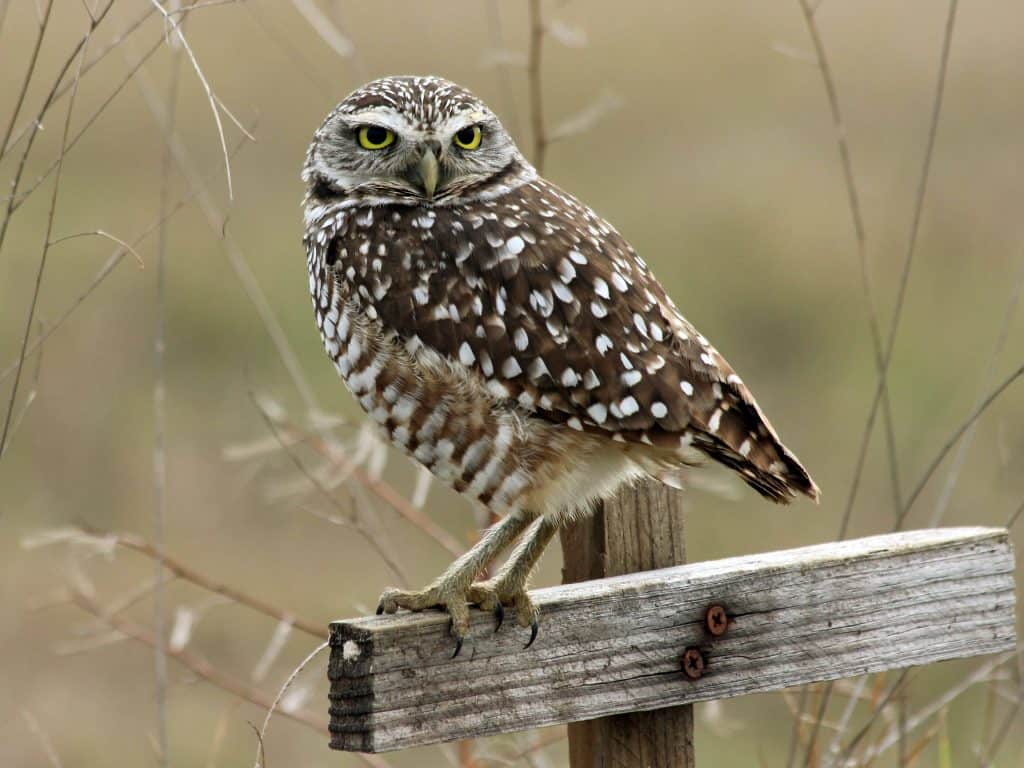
719	165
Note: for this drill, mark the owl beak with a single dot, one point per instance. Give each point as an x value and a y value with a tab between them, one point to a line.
427	170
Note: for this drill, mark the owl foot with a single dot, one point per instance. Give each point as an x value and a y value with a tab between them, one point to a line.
445	596
496	594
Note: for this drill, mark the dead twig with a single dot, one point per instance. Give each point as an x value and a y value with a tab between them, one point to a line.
46	244
196	664
182	571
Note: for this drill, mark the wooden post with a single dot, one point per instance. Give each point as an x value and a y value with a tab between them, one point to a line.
641	529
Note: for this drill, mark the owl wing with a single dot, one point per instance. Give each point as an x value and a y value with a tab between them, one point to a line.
553	309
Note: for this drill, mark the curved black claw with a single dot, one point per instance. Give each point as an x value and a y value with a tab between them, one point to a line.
458	640
499	615
534	628
380	607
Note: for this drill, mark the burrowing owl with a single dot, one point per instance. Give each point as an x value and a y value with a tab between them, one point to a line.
504	335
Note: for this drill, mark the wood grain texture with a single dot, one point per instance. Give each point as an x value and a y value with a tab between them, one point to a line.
614	645
641	529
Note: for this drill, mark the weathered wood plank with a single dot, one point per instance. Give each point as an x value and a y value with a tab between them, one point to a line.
615	645
639	529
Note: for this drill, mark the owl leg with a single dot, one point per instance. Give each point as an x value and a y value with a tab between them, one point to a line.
508	586
449	590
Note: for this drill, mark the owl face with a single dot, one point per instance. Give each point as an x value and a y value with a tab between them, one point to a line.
414	140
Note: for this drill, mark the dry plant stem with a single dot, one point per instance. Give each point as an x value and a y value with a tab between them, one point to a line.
908	260
385	492
290	51
20	199
193	576
322	25
45	742
260	757
540	142
1003	731
108	266
218	224
844	721
129	30
46	248
195	663
380	549
160	428
965	444
896	688
981	674
1015	516
36	125
33	58
975	415
4	4
860	234
897	312
210	96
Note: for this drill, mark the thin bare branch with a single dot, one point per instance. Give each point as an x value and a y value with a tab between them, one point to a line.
29	72
1018	513
260	758
324	27
385	492
160	424
19	199
196	664
381	548
860	234
117	41
957	434
908	260
236	257
961	452
100	233
980	675
182	571
45	743
177	30
36	125
873	718
291	51
46	249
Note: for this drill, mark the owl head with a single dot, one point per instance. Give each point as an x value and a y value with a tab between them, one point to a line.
413	140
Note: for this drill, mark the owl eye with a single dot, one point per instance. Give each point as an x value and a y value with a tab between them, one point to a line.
468	137
375	137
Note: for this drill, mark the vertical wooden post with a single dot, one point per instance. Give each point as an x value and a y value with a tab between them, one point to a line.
639	530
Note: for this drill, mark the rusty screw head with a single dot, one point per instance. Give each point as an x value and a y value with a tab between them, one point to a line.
693	663
716	620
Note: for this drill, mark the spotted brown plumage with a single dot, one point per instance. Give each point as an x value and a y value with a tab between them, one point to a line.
502	333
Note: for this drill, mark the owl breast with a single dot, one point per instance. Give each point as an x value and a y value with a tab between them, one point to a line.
466	431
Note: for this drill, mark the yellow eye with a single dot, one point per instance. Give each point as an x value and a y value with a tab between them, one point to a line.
468	137
375	137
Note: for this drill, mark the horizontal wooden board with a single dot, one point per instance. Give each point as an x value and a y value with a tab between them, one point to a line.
616	645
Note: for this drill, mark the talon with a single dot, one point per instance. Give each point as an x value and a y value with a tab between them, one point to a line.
499	615
534	628
458	646
380	607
